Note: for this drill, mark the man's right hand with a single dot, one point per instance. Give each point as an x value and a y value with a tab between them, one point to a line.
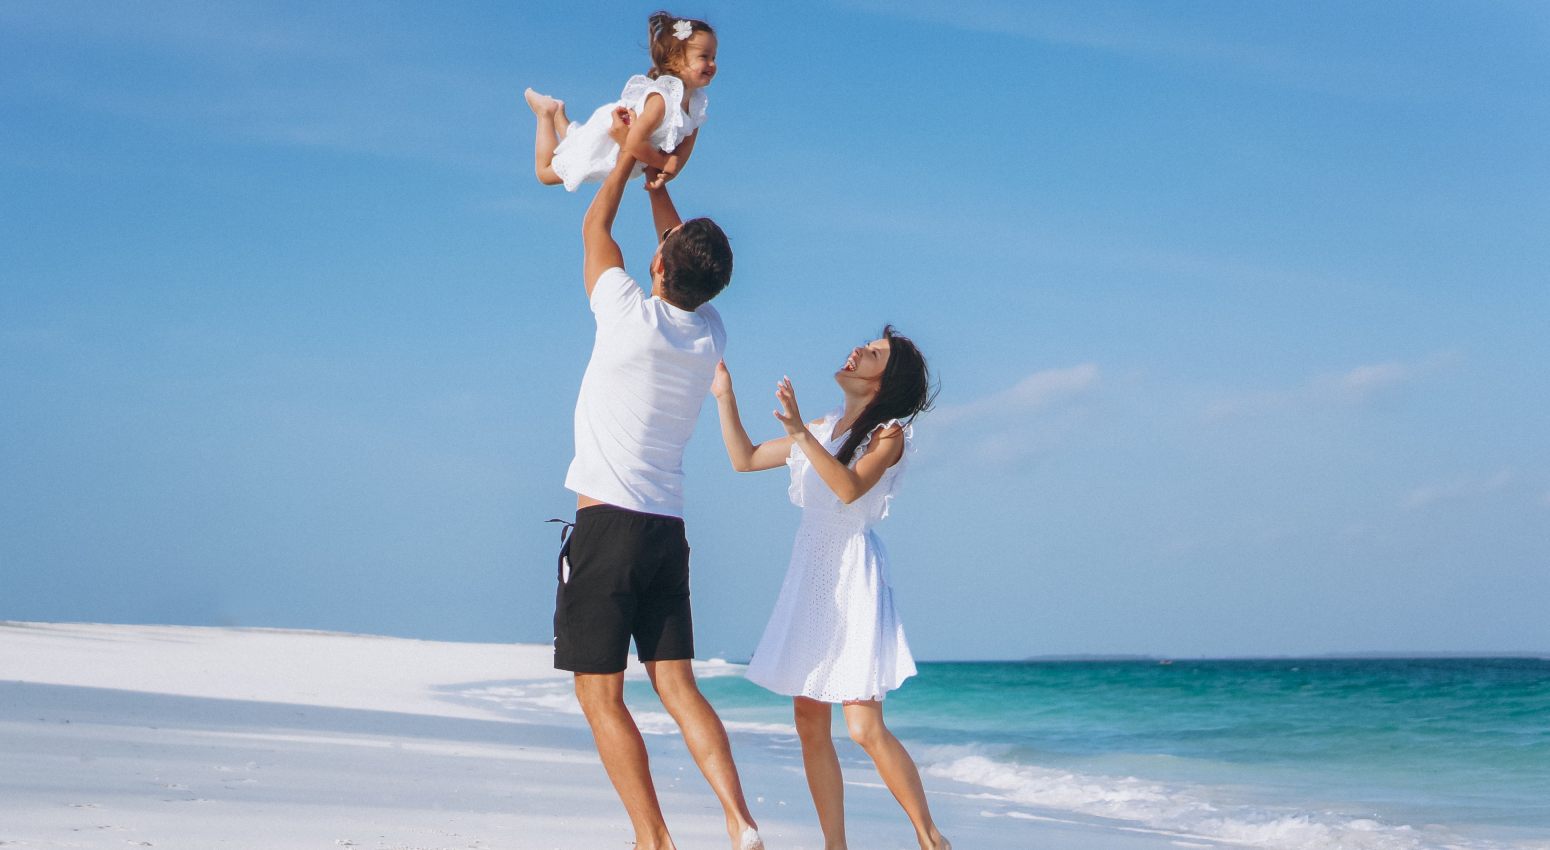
619	126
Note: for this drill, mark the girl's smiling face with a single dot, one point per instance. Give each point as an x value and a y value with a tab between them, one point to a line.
698	63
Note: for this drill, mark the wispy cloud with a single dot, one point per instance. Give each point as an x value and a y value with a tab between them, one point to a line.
1353	386
1024	233
293	82
1034	392
1006	427
1364	381
212	30
1134	31
1461	488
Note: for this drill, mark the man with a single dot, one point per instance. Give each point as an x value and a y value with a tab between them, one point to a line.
625	571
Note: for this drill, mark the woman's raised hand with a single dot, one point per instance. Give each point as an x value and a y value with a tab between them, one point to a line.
788	414
721	385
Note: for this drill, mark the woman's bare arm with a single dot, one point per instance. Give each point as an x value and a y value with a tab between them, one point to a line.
741	451
849	484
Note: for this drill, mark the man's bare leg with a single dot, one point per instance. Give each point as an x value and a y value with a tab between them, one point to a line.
624	756
549	112
707	741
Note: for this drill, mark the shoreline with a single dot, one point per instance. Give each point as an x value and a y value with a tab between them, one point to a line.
206	737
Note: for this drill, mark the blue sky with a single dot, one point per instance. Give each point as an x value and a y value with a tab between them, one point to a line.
1240	313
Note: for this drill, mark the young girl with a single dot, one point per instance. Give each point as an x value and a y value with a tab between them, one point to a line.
668	102
834	636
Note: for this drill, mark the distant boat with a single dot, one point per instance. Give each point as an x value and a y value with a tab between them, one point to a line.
1165	662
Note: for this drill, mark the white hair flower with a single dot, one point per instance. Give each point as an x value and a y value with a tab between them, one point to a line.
682	30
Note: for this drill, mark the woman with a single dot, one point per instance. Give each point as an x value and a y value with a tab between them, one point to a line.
834	636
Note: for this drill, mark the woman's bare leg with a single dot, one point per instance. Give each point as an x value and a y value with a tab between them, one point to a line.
548	137
864	719
822	764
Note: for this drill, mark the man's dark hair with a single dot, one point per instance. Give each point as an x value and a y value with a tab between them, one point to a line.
696	263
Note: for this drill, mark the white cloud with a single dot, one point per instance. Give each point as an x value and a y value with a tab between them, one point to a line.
1135	32
1026	419
1462	488
1366	380
324	80
1034	392
213	30
1356	385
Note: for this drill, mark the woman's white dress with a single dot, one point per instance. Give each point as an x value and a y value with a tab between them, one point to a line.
587	154
834	634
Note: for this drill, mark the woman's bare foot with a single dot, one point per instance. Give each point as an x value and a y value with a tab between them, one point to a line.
542	105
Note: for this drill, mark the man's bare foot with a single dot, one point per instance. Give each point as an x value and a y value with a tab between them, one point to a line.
541	104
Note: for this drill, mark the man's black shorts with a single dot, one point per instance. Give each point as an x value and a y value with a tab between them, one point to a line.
628	577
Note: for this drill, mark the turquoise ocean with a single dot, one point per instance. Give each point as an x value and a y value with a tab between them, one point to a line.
1308	754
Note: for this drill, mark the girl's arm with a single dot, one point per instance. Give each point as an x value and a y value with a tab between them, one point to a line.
745	456
886	448
675	161
683	150
638	143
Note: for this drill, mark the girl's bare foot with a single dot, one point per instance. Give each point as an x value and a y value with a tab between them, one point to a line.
542	105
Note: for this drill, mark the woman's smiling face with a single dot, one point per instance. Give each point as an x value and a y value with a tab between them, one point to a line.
865	363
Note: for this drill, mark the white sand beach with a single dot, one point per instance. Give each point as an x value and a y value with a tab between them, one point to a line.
115	736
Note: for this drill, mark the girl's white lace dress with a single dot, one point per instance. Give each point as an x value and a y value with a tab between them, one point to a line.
834	634
587	154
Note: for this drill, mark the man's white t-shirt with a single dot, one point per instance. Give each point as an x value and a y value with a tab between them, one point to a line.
651	368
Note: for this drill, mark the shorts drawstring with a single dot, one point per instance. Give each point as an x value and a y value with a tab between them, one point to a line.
566	527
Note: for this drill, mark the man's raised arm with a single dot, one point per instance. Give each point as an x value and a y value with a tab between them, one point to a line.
601	252
664	215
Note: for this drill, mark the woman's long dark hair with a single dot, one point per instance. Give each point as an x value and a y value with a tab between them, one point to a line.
903	392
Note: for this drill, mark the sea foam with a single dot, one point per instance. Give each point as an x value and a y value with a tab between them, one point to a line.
1189	811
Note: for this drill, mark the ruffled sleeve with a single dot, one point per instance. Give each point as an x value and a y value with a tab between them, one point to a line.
796	462
889	485
909	441
696	117
671	131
